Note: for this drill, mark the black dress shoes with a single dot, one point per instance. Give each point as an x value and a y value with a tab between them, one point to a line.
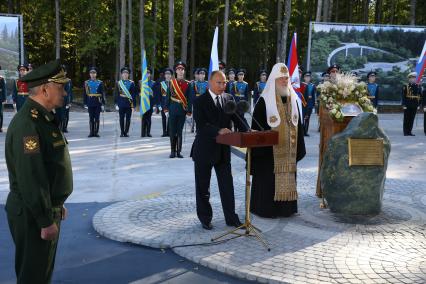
208	226
235	224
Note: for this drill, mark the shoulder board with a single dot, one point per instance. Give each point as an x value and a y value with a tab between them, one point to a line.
245	82
34	113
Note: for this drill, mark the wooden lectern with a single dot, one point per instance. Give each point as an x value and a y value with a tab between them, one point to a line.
248	140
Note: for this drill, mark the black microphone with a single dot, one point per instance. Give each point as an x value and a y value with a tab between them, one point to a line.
244	107
230	108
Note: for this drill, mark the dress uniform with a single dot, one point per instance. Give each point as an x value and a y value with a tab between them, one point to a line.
222	66
241	89
260	85
94	100
178	107
424	107
20	90
309	95
40	178
373	88
2	99
198	88
146	117
163	94
411	95
125	101
63	113
231	81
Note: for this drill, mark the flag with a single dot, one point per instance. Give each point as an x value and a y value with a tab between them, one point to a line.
146	91
214	57
293	68
421	64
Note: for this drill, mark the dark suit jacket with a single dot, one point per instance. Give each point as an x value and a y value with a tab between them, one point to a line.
209	120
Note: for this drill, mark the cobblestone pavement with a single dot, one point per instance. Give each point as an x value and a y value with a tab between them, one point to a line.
314	246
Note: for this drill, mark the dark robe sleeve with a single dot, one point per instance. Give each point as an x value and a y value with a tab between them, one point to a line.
301	149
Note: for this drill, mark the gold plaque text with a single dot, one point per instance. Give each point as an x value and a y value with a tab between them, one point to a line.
365	152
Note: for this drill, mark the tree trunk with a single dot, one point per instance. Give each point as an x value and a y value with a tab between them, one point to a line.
349	11
10	6
392	14
279	13
132	72
171	33
154	35
284	31
117	46
413	12
330	10
225	32
319	11
241	51
184	39
123	34
336	11
58	30
193	18
366	9
378	12
325	11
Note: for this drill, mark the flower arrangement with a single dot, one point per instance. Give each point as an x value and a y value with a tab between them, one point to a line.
344	88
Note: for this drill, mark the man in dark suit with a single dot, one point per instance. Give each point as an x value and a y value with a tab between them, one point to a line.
211	121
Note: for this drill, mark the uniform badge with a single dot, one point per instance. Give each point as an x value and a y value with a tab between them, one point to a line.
273	119
31	145
34	113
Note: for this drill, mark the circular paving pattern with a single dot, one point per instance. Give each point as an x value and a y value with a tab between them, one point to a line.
313	246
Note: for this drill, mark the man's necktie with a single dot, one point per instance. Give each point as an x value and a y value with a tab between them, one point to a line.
219	106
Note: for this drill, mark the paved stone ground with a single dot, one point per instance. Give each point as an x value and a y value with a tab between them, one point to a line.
156	207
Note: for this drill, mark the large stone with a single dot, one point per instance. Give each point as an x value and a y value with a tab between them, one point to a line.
355	190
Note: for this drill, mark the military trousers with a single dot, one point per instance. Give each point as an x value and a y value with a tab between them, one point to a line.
164	123
176	124
409	116
34	257
94	113
20	100
1	116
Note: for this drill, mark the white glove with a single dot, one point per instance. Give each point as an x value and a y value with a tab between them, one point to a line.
154	109
14	106
103	108
404	107
116	107
68	106
86	107
160	108
424	109
167	114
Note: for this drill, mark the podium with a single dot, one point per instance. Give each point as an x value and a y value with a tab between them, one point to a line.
248	140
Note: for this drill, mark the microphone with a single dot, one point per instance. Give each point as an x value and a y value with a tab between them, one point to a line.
231	108
244	107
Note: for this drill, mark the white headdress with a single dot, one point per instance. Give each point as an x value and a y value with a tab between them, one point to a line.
269	95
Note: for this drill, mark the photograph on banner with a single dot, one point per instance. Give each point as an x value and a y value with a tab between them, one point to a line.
391	51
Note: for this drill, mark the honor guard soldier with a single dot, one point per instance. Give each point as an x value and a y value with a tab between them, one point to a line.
30	67
20	90
94	100
411	95
146	117
178	107
332	71
195	75
241	88
260	85
373	88
230	82
424	105
198	88
40	175
164	95
2	99
125	100
62	114
309	95
222	66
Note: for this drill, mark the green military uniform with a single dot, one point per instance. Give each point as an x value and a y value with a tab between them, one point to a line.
40	177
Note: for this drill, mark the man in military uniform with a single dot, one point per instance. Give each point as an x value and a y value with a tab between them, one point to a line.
222	66
146	117
178	106
20	90
62	113
373	88
125	100
198	88
309	95
411	95
94	100
231	81
424	104
2	99
163	94
40	175
241	88
30	67
260	85
332	71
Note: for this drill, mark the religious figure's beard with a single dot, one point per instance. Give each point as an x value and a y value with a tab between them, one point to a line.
282	91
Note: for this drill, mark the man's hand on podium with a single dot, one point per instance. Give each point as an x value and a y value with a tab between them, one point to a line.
224	131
